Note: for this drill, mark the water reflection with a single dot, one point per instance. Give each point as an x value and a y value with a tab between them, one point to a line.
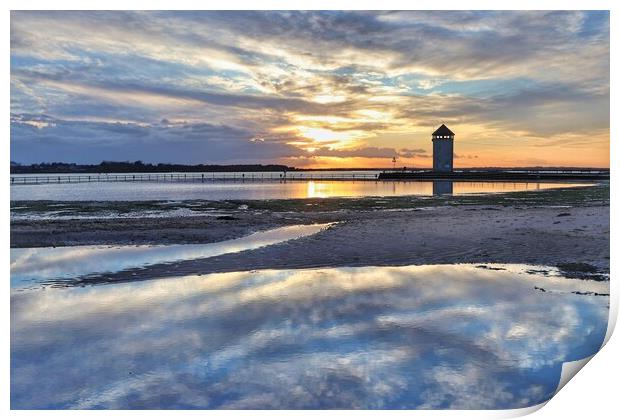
30	265
442	187
267	190
370	337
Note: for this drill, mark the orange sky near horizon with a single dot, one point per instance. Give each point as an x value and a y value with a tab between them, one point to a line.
474	150
318	89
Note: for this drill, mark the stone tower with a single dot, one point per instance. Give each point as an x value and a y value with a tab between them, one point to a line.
443	149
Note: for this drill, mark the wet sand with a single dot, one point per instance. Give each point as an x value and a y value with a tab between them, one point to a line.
149	231
440	235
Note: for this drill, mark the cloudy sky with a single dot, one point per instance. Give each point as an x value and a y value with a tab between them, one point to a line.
310	89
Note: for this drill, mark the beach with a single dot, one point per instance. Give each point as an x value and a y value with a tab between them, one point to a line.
554	227
291	209
365	303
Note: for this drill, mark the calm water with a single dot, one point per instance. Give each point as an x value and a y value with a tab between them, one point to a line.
33	265
451	336
248	190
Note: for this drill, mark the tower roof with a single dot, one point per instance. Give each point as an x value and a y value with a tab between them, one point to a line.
443	131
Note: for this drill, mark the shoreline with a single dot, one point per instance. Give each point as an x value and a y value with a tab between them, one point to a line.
445	235
547	227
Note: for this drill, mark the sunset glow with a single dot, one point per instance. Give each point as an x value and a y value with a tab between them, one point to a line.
310	89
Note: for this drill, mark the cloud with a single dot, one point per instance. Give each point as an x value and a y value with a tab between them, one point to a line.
367	152
46	139
410	153
457	156
39	138
368	74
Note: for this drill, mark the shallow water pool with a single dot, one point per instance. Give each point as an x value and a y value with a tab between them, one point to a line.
31	266
446	336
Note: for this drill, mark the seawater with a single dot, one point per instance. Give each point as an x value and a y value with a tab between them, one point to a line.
264	190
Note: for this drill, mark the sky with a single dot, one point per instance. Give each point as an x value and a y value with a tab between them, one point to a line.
313	89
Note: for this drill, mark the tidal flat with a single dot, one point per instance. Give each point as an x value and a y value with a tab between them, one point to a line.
566	225
469	302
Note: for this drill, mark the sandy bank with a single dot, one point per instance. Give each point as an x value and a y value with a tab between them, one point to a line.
135	231
445	235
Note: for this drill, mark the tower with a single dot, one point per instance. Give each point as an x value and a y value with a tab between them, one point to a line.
443	149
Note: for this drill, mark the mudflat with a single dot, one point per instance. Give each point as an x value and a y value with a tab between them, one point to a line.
568	226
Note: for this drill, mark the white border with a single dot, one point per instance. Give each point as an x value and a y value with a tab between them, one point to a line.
592	395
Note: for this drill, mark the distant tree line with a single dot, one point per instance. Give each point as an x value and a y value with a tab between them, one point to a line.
138	167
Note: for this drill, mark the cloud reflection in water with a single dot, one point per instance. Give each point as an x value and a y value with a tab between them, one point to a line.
369	337
39	264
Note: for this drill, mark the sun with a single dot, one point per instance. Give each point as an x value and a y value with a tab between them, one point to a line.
324	137
319	134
